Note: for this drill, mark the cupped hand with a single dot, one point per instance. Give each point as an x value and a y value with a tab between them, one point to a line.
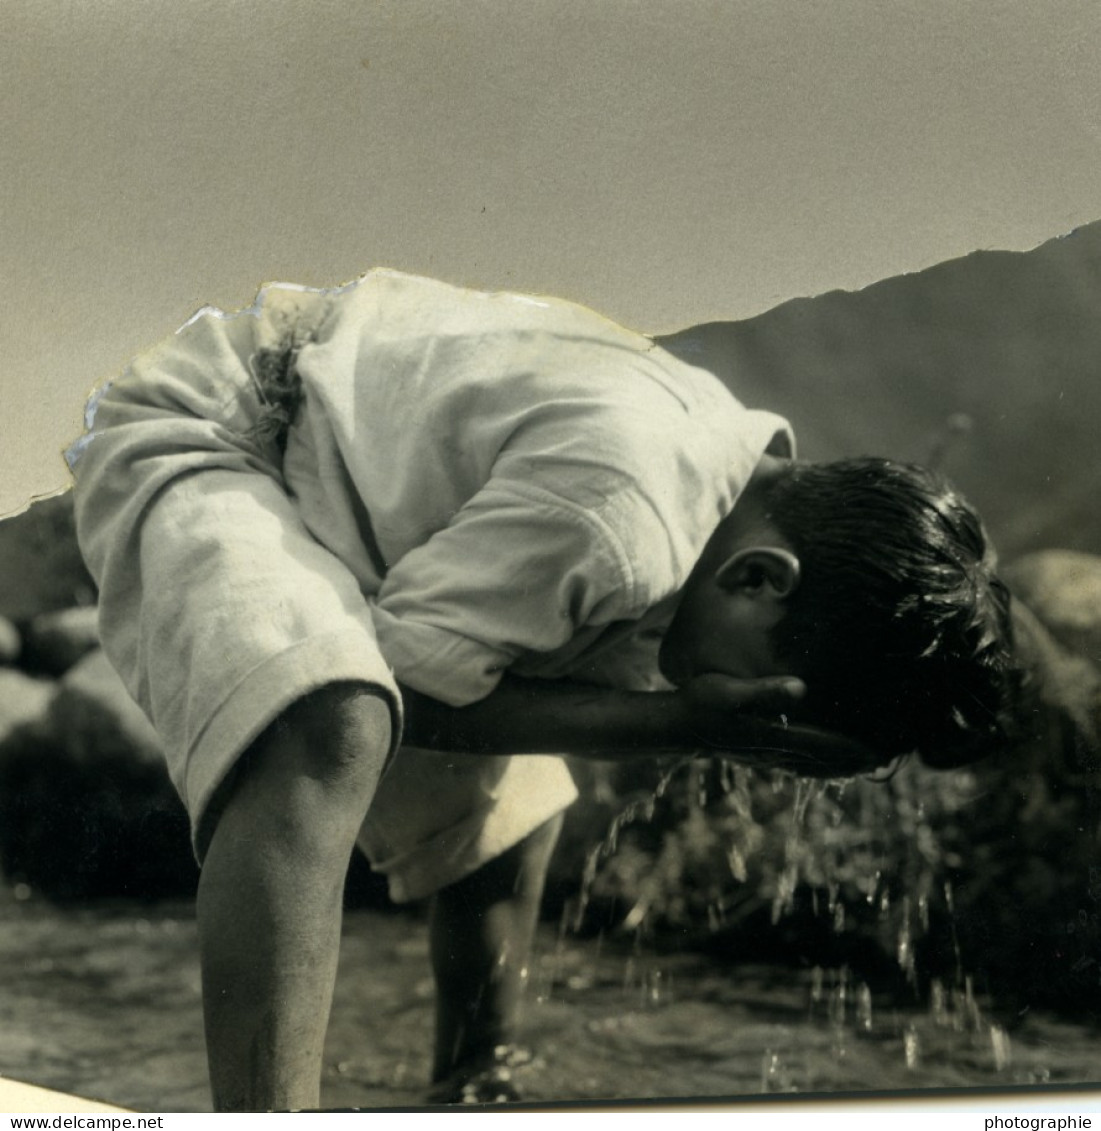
745	720
768	695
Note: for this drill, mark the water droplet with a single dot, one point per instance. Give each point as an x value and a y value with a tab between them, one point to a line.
737	862
833	891
775	1076
905	948
911	1046
874	887
864	1007
938	1004
1003	1052
838	1003
839	919
655	988
770	1063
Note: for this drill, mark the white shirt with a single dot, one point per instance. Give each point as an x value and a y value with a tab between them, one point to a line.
515	482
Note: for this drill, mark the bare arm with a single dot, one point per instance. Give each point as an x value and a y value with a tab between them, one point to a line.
713	714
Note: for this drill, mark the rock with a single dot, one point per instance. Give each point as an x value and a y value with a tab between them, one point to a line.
86	805
1062	687
40	563
11	642
53	642
1063	589
93	717
23	700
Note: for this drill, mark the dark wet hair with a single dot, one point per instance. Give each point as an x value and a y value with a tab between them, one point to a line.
899	626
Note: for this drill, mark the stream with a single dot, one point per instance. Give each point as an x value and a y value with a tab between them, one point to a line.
104	1001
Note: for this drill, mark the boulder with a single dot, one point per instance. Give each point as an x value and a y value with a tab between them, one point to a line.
86	805
54	641
1063	590
93	717
24	700
11	642
40	562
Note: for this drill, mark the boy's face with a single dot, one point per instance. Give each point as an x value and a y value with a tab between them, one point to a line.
715	630
733	600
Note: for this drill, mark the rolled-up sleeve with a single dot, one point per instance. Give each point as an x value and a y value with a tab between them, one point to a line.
518	570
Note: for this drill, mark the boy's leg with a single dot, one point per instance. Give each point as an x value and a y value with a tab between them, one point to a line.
481	933
270	895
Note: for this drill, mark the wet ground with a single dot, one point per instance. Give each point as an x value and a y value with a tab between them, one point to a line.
105	1002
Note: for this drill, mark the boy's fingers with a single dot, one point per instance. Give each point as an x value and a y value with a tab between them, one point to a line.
772	694
803	750
734	719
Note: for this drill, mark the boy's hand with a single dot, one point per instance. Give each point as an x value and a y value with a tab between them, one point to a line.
770	695
745	720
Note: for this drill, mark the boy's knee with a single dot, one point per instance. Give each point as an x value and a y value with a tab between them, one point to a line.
337	734
310	777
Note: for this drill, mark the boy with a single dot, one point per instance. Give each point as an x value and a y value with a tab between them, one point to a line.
479	526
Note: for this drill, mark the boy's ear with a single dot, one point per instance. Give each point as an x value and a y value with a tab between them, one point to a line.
760	570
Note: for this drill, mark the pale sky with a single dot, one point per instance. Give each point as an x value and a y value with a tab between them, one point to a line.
666	161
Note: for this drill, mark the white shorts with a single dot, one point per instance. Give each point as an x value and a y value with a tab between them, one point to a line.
219	610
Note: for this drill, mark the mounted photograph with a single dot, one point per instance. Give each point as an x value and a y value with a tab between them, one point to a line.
550	556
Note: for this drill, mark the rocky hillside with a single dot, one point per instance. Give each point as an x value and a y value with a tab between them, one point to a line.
989	366
40	565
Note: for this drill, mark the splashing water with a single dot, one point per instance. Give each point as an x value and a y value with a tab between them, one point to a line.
1003	1052
641	810
911	1044
838	855
784	901
775	1075
864	1017
904	951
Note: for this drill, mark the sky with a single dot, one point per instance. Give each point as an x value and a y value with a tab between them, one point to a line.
665	161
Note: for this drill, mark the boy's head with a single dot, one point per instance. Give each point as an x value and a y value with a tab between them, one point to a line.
873	582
